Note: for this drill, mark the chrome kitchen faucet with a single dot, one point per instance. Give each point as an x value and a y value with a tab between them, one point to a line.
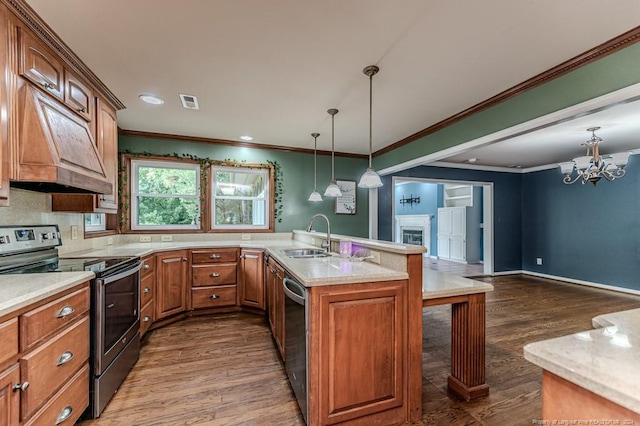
325	245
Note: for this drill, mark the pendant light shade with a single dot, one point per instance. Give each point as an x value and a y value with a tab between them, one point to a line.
370	179
315	195
333	190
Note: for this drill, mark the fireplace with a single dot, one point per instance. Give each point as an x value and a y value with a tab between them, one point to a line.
414	229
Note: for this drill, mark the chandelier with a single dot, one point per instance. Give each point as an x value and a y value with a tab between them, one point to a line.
593	167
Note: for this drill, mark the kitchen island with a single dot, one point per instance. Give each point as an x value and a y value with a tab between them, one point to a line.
593	375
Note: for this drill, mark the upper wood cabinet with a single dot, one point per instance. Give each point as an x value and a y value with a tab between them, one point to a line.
107	140
40	65
78	95
171	283
4	137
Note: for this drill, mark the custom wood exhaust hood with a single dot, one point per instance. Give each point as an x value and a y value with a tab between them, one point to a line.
56	149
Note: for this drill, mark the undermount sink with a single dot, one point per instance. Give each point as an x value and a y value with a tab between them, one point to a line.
298	253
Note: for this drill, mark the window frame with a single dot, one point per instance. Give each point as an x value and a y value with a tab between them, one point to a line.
100	227
135	164
268	181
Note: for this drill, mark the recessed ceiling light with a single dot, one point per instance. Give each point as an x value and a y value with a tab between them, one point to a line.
246	138
150	99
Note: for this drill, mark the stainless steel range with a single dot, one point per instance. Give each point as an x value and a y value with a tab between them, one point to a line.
115	312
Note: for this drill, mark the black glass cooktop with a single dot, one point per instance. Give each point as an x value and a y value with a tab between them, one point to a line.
97	265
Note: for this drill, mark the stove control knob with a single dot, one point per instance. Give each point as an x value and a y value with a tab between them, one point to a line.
46	236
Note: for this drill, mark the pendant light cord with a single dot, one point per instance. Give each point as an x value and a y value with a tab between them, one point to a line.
315	169
370	117
332	147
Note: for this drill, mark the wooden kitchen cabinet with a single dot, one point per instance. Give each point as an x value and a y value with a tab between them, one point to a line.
147	292
171	283
214	278
78	95
46	377
40	65
4	137
252	290
276	305
358	330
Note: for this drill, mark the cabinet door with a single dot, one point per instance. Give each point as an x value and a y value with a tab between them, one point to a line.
279	314
4	129
107	140
458	248
78	96
40	65
271	296
9	400
444	221
171	283
459	221
444	248
251	280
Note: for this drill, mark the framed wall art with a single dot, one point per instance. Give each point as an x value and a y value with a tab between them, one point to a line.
346	204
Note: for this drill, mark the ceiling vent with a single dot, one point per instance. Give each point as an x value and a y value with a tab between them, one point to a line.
189	101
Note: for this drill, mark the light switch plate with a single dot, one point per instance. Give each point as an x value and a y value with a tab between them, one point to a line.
246	237
145	238
166	238
74	232
109	241
376	256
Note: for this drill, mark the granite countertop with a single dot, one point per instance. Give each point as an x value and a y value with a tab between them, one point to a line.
309	271
18	291
605	361
437	284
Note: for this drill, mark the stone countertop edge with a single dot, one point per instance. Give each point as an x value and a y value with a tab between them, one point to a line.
436	284
20	290
365	242
309	272
590	360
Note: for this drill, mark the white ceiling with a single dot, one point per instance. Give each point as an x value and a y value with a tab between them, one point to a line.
271	69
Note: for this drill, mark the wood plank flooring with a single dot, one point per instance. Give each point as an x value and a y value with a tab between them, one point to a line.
455	268
224	370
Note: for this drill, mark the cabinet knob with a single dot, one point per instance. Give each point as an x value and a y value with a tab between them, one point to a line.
214	256
64	358
48	86
67	310
20	386
146	318
64	414
215	275
213	297
146	290
147	266
184	259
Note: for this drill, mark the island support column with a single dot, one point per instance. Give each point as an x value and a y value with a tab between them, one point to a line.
467	379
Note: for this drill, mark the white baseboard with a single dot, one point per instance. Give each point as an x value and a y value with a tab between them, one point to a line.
573	281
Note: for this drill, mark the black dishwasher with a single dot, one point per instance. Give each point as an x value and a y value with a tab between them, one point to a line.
296	340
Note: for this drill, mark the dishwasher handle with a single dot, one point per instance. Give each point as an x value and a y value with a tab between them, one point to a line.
294	291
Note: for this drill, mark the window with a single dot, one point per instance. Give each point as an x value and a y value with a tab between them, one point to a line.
94	222
165	195
240	198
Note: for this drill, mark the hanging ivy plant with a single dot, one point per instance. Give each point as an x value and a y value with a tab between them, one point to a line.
205	163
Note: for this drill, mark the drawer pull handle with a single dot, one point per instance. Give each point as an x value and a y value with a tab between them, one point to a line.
64	358
48	86
20	386
249	256
184	259
147	266
214	256
146	290
215	275
64	414
67	310
111	305
214	297
147	318
82	110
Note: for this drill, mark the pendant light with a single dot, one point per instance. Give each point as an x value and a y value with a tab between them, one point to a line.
370	179
333	190
315	195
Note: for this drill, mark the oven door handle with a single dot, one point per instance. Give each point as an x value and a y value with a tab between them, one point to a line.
125	273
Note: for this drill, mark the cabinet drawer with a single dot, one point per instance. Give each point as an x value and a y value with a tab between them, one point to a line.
148	266
50	365
147	289
41	322
214	275
213	297
78	96
214	256
146	317
68	404
9	339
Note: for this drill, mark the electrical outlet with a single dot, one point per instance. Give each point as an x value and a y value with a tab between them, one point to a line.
145	238
376	256
109	241
538	261
245	237
166	238
74	232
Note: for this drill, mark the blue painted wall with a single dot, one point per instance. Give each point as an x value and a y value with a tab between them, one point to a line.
507	209
428	193
581	231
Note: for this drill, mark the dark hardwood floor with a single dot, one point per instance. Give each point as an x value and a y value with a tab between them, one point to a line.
224	370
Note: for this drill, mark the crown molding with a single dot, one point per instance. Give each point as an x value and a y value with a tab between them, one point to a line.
32	20
253	145
607	48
